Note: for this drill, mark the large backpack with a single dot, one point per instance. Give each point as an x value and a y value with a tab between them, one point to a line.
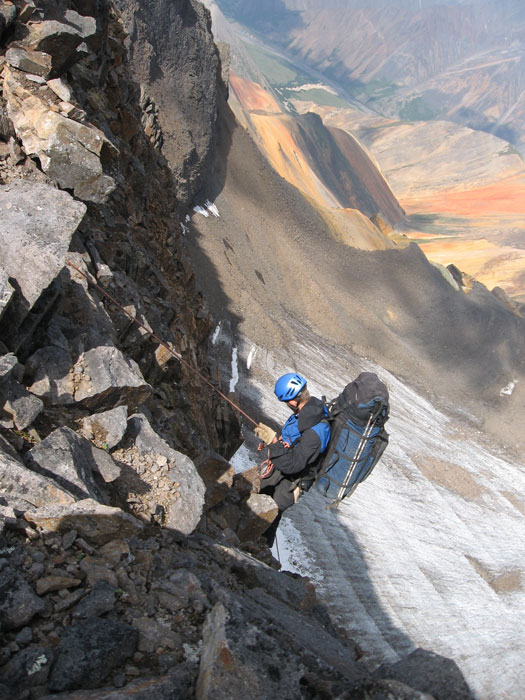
358	437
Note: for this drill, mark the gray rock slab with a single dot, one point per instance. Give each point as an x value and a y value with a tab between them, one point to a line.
429	673
19	482
21	404
37	222
105	465
7	364
6	291
93	521
258	513
184	513
222	674
106	428
89	651
18	601
55	38
29	61
296	591
100	601
299	634
50	369
69	152
67	458
107	378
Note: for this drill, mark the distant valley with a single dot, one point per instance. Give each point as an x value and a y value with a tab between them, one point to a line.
456	171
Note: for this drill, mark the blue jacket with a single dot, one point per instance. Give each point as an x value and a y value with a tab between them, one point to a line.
307	434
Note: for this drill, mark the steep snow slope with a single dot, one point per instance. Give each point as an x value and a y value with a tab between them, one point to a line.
430	550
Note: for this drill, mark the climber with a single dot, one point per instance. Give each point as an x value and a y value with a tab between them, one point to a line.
293	459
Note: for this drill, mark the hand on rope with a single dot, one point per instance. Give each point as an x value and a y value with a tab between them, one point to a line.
266	468
266	434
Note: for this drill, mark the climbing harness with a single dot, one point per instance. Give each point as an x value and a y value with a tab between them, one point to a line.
164	344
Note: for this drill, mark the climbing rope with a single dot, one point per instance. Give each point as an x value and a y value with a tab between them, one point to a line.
164	344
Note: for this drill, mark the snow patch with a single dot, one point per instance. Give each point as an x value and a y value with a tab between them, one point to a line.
216	334
235	371
251	356
207	209
507	390
201	210
212	208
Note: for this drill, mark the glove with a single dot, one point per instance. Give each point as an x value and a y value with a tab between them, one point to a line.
266	434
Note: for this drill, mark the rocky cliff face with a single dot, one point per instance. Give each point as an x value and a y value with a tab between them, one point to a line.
122	524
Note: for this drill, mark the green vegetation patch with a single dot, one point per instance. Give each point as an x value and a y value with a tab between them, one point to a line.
376	89
278	71
417	110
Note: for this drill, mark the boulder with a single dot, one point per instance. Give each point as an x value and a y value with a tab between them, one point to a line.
106	429
70	460
106	378
8	364
29	61
217	475
93	521
69	152
248	481
293	590
19	481
37	222
50	370
100	601
185	512
89	651
27	669
19	403
429	673
61	89
46	584
6	291
18	601
259	512
55	38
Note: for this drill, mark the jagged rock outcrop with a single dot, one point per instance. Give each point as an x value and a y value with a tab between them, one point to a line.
177	65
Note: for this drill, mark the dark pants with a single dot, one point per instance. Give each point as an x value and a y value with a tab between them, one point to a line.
280	488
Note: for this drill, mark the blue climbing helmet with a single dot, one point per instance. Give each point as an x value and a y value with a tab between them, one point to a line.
289	386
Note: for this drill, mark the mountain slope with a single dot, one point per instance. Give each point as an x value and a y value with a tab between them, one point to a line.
270	254
463	191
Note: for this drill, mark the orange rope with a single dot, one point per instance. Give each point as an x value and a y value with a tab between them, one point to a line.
164	345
